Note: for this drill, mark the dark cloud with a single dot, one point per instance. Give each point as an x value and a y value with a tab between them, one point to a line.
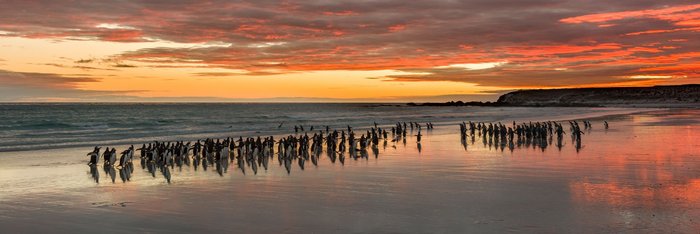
41	80
85	61
77	66
26	86
123	65
510	76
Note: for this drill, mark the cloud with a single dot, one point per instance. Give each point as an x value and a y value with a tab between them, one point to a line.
676	13
122	65
551	43
243	73
47	87
77	66
512	76
216	74
41	80
85	61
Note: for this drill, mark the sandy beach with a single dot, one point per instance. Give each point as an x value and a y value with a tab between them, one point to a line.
639	176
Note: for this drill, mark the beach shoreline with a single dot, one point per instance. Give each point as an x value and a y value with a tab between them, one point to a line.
640	173
572	114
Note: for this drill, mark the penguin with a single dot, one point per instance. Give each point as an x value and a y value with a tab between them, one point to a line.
94	156
113	157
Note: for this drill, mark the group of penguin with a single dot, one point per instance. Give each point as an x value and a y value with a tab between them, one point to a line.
124	165
254	153
537	134
110	156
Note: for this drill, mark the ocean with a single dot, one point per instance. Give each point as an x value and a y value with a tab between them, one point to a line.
63	125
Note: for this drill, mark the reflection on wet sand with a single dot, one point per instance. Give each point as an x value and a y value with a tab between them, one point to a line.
94	173
125	172
255	153
538	134
638	194
640	176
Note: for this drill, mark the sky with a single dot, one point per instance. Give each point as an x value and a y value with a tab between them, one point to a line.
338	51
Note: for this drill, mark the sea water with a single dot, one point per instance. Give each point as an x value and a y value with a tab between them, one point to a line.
47	126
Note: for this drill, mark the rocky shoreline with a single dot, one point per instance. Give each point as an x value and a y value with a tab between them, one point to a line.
656	96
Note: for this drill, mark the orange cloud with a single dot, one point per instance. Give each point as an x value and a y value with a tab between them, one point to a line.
669	13
123	35
396	28
559	49
697	29
339	13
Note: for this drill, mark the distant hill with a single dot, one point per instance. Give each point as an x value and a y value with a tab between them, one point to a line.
641	96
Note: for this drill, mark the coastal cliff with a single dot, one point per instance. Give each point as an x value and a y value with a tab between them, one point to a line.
652	96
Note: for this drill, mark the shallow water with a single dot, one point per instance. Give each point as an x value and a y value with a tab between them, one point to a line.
49	126
640	176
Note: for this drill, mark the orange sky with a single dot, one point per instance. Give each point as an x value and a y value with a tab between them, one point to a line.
338	51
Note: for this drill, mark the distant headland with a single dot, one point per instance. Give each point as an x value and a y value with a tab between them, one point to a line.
656	96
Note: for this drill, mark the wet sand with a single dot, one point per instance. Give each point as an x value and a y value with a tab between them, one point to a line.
640	176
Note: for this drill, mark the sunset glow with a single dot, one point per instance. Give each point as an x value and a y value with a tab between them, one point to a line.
344	51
